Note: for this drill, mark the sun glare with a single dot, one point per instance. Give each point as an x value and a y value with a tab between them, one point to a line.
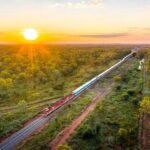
30	34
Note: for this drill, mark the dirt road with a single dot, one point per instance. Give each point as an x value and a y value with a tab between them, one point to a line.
65	134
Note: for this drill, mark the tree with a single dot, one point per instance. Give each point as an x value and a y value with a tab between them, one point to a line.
5	86
22	77
22	106
145	106
64	147
5	74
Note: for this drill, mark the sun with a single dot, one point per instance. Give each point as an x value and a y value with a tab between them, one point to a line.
30	34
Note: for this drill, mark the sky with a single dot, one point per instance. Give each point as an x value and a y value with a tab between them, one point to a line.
76	21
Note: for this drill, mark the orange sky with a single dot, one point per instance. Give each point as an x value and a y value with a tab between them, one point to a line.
76	21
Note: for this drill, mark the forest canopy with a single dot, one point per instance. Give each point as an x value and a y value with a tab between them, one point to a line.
32	73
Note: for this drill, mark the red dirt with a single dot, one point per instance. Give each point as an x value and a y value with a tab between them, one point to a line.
65	134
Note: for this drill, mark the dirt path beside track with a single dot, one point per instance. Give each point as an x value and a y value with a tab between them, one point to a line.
62	137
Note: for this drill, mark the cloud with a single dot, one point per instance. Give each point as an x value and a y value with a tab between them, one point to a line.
139	29
76	4
96	2
114	35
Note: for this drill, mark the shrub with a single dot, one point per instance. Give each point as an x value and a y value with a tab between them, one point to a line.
64	147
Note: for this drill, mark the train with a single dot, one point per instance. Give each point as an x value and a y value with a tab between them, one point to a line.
49	110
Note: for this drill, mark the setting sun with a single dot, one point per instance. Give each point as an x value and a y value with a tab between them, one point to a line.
30	34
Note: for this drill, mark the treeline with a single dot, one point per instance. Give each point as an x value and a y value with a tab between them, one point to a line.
31	73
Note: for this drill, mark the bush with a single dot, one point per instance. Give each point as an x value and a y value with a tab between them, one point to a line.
145	106
64	147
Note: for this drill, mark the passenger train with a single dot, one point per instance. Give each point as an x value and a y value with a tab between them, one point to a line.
83	87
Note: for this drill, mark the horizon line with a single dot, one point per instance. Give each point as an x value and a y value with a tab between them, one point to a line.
74	43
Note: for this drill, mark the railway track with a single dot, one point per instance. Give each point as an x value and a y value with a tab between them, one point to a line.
28	130
16	138
5	110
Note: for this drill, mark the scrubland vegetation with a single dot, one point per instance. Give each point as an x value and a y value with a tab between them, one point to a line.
29	76
42	140
114	123
34	74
